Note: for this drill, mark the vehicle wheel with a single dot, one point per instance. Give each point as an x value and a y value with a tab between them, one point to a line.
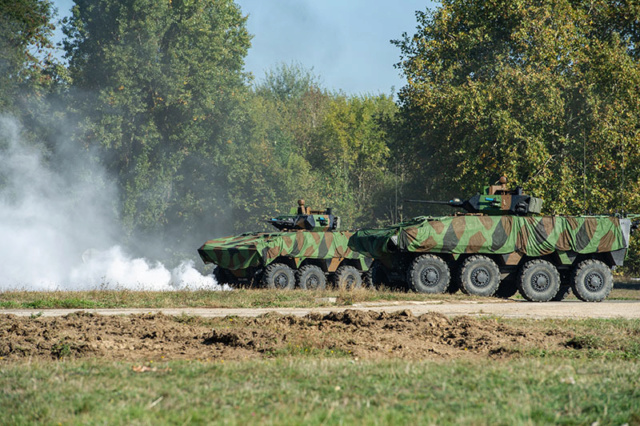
279	276
539	281
223	276
454	284
480	276
507	288
565	290
428	274
375	277
311	277
219	275
592	281
347	278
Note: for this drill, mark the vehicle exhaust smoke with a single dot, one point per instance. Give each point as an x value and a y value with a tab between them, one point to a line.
59	229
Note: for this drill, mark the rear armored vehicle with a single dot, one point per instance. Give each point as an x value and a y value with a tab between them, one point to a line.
499	246
308	251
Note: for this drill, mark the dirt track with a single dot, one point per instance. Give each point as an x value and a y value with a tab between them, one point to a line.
352	333
506	309
407	330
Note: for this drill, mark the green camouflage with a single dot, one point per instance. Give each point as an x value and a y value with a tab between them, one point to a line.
499	248
526	235
304	253
311	222
261	249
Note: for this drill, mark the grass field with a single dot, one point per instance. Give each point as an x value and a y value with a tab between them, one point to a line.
277	370
242	298
323	391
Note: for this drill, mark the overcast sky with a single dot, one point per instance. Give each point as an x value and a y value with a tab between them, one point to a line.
345	42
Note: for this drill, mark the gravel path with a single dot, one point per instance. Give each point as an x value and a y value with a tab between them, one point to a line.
506	309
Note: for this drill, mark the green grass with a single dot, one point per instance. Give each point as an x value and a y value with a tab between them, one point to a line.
242	298
323	391
594	378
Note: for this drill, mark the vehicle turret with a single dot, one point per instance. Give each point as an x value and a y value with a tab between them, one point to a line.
496	200
307	252
304	218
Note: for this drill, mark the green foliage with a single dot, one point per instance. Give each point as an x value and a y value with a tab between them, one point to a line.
164	81
543	92
287	82
26	62
300	141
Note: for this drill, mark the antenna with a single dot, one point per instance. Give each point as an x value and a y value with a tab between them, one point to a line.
395	219
621	195
584	175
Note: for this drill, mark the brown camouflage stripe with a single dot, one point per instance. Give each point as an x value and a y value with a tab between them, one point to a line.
260	249
532	236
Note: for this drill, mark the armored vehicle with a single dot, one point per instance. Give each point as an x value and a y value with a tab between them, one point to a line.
499	246
307	251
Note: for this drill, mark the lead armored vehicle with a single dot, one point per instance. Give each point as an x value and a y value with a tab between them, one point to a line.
498	246
307	251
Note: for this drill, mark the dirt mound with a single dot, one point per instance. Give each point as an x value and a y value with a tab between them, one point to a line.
350	333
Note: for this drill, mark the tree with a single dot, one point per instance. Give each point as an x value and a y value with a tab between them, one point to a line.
269	169
161	84
27	66
301	141
350	147
544	92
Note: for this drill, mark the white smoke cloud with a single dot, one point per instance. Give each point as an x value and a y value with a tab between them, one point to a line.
58	230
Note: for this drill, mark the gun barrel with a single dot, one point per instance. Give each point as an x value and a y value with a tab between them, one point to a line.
428	202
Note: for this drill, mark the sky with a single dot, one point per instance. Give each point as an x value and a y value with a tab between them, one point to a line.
346	43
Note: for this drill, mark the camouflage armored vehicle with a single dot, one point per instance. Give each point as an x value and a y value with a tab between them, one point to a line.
499	246
307	251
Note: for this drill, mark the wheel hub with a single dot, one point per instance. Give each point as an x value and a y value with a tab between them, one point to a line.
480	277
282	280
313	281
594	281
430	277
540	282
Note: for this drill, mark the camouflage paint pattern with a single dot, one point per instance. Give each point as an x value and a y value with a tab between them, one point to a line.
532	236
311	222
261	249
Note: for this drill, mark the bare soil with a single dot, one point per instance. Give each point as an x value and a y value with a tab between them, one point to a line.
350	333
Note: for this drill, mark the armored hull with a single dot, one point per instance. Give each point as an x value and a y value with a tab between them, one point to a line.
500	252
510	237
308	255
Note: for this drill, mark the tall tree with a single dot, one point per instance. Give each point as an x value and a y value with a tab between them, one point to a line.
27	66
162	81
351	148
270	168
545	92
302	141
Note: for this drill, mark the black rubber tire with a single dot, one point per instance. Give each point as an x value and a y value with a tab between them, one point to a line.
563	293
428	274
367	281
279	276
507	288
479	276
224	276
454	282
592	281
219	274
539	281
376	276
347	278
311	277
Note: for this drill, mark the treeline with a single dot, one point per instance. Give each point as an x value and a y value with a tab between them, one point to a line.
546	93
